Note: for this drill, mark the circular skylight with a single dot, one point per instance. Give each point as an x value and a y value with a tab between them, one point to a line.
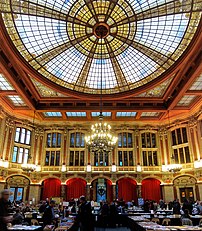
140	39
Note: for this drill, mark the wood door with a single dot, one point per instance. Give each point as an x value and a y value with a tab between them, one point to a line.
187	193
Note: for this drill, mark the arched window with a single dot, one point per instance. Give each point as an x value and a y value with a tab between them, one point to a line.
149	149
101	158
180	146
125	149
77	149
53	149
22	145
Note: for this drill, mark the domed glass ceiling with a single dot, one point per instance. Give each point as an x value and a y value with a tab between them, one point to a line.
143	38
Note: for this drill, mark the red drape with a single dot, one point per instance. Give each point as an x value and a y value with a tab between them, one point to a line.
109	191
52	188
151	189
127	189
76	187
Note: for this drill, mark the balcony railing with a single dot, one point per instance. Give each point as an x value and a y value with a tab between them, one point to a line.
103	169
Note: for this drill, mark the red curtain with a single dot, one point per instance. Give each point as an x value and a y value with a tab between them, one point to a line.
109	191
151	189
127	189
76	187
52	188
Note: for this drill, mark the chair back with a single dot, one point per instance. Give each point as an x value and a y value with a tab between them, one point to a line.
34	222
187	221
166	222
156	220
62	228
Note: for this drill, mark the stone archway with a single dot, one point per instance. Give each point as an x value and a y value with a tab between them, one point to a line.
19	186
185	187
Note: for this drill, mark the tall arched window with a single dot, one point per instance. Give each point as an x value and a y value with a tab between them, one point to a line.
125	149
53	149
22	145
180	146
101	158
149	149
77	149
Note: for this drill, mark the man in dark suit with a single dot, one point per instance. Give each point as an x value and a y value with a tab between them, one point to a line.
4	217
85	217
49	214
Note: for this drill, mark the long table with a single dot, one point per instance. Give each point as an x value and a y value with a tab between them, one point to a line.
143	225
25	228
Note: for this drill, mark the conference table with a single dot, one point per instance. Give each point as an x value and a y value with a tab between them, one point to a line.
144	226
25	228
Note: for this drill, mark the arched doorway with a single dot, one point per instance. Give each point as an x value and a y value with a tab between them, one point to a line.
101	190
186	187
19	187
126	189
151	189
51	187
76	187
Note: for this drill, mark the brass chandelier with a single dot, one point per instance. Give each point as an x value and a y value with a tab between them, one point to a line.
101	138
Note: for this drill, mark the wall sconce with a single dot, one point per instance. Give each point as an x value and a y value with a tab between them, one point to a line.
4	163
88	168
164	168
113	168
139	168
63	168
38	168
198	164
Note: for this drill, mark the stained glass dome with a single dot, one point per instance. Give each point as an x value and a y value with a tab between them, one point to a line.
60	39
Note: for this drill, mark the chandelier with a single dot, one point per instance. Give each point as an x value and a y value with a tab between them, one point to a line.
174	167
101	138
28	167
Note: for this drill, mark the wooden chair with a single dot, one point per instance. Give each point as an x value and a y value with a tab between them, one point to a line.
156	220
62	228
200	222
34	222
166	222
187	221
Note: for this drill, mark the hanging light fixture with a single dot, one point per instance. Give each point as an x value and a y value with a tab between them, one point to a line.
174	167
101	137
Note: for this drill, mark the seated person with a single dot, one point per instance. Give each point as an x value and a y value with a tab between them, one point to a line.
17	217
186	218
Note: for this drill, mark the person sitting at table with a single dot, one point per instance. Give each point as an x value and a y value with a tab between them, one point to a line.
17	217
199	207
4	217
187	205
176	206
43	207
49	214
186	218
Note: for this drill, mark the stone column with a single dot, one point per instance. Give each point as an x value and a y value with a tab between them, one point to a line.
88	191
63	191
139	191
34	192
168	193
114	191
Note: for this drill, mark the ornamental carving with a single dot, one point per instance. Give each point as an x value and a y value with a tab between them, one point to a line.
18	181
192	122
39	131
184	180
10	123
